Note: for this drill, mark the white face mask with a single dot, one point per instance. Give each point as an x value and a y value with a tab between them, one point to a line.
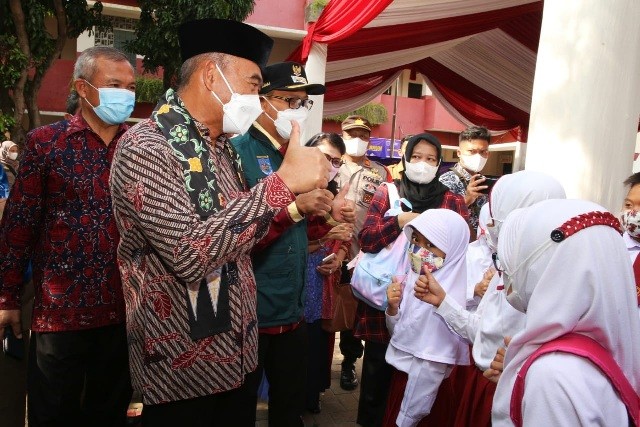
474	163
283	120
420	172
356	147
334	172
240	112
12	156
513	297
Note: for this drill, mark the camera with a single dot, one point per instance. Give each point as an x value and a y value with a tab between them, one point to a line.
489	181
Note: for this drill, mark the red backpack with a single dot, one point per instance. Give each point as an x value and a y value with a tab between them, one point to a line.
588	348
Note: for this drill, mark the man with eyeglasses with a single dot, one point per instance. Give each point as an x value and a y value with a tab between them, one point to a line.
280	258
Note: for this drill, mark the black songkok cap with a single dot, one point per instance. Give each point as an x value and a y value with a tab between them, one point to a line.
288	76
224	36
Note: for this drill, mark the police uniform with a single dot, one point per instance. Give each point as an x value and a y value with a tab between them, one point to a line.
364	180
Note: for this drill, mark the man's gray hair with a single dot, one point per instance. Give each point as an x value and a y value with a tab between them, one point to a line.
190	65
85	65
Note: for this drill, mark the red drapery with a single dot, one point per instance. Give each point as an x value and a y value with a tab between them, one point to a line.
341	25
350	88
473	102
372	41
339	19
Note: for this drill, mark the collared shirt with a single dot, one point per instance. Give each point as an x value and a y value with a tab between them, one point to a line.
166	248
363	179
459	186
633	246
59	216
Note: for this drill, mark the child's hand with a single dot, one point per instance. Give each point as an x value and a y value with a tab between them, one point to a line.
428	289
394	295
497	364
482	286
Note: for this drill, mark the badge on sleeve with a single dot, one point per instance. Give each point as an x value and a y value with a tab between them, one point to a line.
264	162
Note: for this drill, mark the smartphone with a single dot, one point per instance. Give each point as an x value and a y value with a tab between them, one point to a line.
12	346
328	258
489	181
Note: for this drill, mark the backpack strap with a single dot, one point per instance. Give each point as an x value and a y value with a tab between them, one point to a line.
582	346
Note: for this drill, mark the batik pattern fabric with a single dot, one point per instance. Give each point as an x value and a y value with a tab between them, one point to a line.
59	217
459	186
208	299
167	247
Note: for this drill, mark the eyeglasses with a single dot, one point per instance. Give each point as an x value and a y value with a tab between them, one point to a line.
336	162
496	263
295	103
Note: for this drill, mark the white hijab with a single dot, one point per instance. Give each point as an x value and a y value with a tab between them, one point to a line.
583	284
518	190
497	318
419	330
478	256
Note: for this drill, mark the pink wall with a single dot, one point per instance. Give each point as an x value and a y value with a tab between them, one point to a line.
409	116
413	116
279	13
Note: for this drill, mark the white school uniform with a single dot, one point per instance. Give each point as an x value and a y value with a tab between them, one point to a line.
421	343
583	284
494	318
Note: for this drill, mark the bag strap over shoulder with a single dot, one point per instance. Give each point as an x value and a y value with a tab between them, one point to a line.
393	192
395	201
462	178
588	348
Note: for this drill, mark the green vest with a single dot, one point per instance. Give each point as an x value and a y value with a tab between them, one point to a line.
281	268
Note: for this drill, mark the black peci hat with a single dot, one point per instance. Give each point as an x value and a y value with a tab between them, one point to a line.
288	76
224	36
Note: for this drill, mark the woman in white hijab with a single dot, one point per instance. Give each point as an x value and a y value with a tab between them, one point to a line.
578	281
494	318
422	346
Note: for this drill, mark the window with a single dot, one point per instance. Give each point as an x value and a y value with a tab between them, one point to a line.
122	31
388	91
415	90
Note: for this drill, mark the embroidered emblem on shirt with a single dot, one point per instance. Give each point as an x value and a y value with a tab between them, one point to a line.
264	163
368	191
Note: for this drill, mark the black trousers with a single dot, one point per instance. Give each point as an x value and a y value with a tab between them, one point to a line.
284	358
350	347
374	385
231	408
79	378
319	365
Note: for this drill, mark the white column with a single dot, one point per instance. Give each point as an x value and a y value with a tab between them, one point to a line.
586	97
315	68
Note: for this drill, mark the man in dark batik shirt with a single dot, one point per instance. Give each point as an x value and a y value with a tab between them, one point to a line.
59	217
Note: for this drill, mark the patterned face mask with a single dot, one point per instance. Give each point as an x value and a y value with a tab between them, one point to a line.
631	223
421	257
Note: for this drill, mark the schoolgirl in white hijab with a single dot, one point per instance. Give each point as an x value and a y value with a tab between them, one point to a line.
495	319
421	343
478	260
581	284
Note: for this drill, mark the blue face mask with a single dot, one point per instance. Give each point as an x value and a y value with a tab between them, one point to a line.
115	106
